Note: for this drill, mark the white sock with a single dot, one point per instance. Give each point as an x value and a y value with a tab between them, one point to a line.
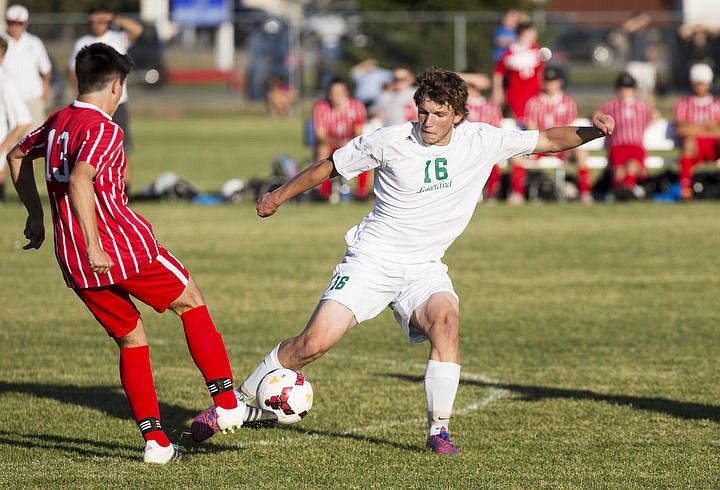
270	363
441	383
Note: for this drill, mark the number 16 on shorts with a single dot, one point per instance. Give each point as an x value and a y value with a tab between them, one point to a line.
338	282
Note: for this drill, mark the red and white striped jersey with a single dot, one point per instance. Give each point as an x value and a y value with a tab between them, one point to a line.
343	123
693	110
82	132
544	112
632	117
482	110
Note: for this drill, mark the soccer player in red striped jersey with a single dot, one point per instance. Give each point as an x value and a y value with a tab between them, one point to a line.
551	108
626	151
483	110
697	124
338	118
107	252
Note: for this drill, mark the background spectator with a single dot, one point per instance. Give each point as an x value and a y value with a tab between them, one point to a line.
396	105
505	33
643	58
523	65
698	43
697	125
337	118
369	79
280	97
551	108
27	63
99	22
15	118
626	152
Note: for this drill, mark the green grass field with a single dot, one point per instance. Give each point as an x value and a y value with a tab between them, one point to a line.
589	341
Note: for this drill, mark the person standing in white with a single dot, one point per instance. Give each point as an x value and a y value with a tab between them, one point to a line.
27	63
15	118
100	21
429	175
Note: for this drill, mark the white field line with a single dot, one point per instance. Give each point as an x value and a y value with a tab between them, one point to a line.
494	395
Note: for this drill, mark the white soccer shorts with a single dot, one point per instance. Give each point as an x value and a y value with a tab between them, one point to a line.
367	285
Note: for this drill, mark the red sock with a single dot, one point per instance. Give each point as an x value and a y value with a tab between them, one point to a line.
491	187
517	179
362	185
584	179
208	351
686	165
137	381
326	189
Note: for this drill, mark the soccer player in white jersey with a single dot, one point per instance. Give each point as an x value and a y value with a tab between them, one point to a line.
108	253
429	175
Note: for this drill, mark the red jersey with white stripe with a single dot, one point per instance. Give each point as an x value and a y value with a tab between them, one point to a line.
632	117
544	112
694	110
339	123
83	133
482	110
524	69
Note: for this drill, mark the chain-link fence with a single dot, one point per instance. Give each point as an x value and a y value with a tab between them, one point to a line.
591	47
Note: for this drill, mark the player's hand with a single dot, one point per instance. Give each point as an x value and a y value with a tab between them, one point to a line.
99	261
35	232
266	205
604	122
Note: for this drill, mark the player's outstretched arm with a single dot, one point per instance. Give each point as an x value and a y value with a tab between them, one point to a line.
567	137
311	177
23	177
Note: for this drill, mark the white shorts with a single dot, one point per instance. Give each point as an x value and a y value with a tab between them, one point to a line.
367	285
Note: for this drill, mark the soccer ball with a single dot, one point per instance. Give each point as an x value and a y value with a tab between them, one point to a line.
287	393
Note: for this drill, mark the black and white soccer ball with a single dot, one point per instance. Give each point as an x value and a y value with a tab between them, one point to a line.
287	393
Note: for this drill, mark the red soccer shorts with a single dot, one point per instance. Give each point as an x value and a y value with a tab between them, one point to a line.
707	149
619	155
158	284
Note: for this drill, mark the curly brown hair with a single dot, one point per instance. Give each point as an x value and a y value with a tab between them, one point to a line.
443	87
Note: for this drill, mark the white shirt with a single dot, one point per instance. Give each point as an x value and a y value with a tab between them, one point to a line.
26	62
115	39
424	195
13	110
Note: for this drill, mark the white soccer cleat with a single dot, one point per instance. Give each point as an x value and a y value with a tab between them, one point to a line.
230	419
155	453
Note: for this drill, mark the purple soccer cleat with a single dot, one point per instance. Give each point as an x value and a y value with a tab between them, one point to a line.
441	444
205	424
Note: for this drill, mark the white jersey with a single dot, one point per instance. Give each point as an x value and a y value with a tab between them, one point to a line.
26	63
13	110
115	39
425	195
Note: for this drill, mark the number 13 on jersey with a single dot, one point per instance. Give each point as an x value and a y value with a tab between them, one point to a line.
57	167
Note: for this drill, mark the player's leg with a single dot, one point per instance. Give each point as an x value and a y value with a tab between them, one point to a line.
166	284
114	310
518	176
583	175
328	323
437	318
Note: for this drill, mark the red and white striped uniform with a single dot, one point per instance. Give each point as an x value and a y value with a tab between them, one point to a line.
83	133
341	123
544	112
632	117
482	110
693	110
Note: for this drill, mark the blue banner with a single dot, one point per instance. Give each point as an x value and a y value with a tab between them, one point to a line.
200	13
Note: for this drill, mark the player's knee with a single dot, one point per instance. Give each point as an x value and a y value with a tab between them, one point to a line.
446	327
190	298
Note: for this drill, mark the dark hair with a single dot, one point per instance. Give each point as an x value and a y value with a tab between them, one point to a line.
443	87
3	46
522	27
98	64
